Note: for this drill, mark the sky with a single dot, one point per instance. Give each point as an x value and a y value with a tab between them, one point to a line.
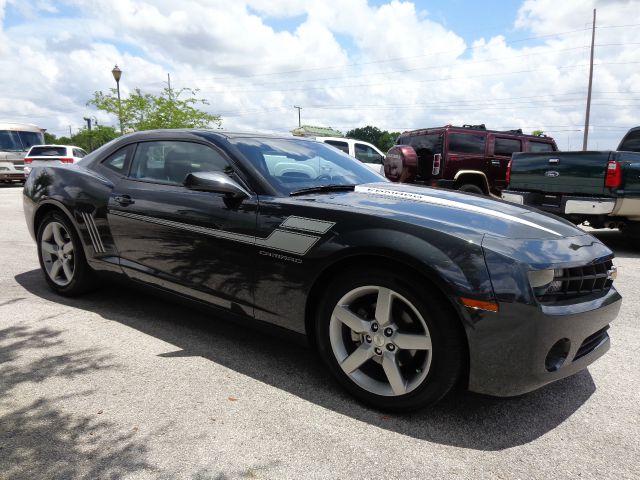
397	65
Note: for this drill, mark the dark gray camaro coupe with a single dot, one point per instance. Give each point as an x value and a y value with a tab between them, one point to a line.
404	290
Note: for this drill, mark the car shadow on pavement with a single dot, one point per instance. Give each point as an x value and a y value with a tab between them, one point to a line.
462	419
42	438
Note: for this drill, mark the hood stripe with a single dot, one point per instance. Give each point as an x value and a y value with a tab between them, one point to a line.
450	203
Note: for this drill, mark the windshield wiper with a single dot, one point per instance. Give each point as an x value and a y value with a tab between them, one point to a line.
322	188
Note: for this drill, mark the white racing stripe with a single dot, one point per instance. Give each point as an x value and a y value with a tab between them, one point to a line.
281	240
98	246
307	224
452	204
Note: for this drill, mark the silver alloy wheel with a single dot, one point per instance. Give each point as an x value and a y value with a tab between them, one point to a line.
57	253
380	340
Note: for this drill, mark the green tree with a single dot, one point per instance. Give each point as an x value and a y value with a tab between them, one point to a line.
94	138
537	133
366	134
49	138
143	111
387	140
382	139
88	140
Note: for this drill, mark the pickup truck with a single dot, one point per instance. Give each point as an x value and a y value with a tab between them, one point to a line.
598	187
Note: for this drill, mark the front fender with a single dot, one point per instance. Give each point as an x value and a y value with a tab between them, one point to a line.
457	266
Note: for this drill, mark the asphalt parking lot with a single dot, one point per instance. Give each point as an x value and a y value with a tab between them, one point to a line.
120	384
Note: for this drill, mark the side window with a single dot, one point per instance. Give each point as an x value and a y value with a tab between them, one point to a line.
467	143
78	153
540	147
366	154
118	161
170	161
344	146
505	147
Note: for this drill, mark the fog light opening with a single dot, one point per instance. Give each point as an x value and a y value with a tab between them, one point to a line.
557	355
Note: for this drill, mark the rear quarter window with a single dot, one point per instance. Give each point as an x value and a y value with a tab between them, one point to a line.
467	143
539	147
507	146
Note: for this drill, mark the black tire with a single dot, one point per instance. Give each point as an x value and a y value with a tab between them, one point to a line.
443	328
470	188
83	278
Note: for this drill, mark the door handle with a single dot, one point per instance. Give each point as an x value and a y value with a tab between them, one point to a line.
124	200
495	163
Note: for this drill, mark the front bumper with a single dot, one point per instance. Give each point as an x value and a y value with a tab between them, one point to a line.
12	176
510	355
559	204
529	343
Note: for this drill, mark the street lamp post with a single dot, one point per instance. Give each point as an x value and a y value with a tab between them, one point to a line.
117	73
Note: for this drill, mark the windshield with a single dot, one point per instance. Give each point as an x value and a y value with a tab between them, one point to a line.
290	165
15	141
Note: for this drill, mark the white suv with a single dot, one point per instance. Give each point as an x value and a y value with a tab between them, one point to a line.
40	155
363	151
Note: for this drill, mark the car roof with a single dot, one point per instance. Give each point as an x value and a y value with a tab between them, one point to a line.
476	130
227	134
56	146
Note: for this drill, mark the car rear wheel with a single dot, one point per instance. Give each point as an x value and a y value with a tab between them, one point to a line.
62	258
389	346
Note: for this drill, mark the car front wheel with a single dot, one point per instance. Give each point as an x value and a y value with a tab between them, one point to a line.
389	346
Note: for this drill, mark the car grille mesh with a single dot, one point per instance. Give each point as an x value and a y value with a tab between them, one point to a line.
579	281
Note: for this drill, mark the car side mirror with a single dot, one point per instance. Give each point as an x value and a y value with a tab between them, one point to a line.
215	182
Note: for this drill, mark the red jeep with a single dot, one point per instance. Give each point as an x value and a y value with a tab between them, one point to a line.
468	158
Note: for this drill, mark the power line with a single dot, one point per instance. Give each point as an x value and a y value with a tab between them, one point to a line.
426	67
441	79
253	66
387	60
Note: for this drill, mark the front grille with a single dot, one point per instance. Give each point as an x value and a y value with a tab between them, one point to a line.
580	281
591	343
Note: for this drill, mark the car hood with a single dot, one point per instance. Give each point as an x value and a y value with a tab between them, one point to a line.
455	211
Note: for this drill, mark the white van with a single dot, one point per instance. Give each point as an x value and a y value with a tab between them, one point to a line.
15	140
363	151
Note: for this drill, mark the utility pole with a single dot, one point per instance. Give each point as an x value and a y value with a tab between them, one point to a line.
299	108
88	120
170	98
586	120
70	134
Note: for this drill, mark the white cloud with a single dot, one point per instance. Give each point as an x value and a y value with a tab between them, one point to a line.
346	63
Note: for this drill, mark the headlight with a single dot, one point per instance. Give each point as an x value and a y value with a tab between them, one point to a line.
545	282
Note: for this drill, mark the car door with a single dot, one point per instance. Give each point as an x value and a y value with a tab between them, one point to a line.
199	244
500	151
369	156
465	152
